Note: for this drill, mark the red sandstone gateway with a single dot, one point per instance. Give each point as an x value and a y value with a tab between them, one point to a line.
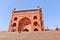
26	20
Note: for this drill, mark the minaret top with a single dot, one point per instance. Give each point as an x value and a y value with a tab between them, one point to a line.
14	9
39	7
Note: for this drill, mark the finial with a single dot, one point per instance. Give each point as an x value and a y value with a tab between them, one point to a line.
14	9
38	6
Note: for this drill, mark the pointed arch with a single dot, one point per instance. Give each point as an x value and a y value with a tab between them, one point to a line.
23	22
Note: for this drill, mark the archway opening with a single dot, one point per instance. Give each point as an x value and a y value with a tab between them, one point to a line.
22	23
35	29
26	30
13	27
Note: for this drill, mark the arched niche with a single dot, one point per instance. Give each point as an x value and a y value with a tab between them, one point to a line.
15	18
14	25
35	17
35	23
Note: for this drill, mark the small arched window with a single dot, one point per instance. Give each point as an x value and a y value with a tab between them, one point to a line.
35	23
26	30
15	18
14	25
35	29
35	17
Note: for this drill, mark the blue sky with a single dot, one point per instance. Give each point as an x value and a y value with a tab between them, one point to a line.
50	10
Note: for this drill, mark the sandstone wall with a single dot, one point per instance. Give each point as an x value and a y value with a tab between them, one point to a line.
44	35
